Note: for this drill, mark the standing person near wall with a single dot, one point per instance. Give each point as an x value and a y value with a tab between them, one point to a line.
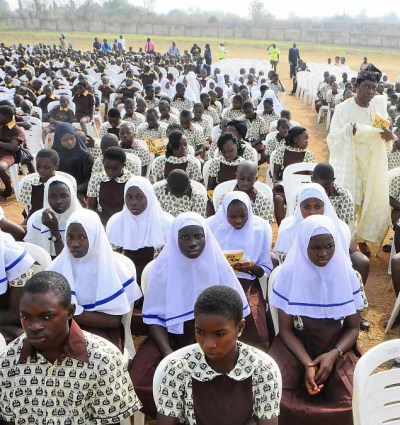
294	56
273	53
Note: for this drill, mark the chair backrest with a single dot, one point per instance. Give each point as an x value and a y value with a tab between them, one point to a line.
3	344
220	190
65	92
154	162
376	396
265	190
293	177
272	309
40	255
33	136
145	276
55	103
206	172
270	172
38	111
394	172
185	350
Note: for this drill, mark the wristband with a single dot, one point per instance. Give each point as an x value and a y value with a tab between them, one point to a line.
340	352
55	238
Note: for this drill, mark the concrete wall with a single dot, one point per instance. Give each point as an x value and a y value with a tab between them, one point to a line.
365	34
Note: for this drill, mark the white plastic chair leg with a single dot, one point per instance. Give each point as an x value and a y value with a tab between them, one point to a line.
138	418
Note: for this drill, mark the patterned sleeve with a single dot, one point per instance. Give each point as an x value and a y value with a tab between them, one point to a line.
264	208
103	129
140	132
20	281
132	168
199	204
172	389
362	290
279	156
158	169
115	398
145	157
97	166
94	185
194	171
347	211
309	157
394	188
270	147
214	168
266	391
25	194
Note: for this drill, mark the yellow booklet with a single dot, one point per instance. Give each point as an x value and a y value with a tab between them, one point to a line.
233	256
210	194
380	122
156	146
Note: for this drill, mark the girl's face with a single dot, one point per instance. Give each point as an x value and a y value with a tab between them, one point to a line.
268	108
68	141
191	241
135	200
283	129
237	214
229	150
311	206
321	249
77	240
182	150
301	141
59	197
45	168
217	336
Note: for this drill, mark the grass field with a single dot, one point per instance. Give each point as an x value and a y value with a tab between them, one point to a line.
387	60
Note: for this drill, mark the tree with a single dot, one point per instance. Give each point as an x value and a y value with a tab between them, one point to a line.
148	6
257	9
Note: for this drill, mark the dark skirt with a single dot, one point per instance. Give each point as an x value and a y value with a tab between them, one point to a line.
256	331
169	166
333	405
111	199
145	363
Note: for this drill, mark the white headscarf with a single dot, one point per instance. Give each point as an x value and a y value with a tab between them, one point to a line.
221	81
304	289
37	232
253	238
98	281
14	260
176	281
149	229
290	225
270	94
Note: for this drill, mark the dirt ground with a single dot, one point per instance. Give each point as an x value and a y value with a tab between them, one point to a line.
379	289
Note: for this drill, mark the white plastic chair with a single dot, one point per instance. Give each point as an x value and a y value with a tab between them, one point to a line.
270	172
292	179
3	344
38	111
221	190
40	255
185	350
66	92
206	172
56	103
272	309
33	136
376	396
154	163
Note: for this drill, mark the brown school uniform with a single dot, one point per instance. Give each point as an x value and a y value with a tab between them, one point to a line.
8	132
84	105
333	405
62	115
43	104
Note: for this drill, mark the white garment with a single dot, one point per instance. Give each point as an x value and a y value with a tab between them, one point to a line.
14	261
270	94
290	225
360	164
253	238
176	281
304	289
149	229
98	281
37	232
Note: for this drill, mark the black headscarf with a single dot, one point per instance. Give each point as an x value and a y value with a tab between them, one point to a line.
369	73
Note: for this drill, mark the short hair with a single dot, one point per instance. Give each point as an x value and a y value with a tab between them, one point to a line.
178	180
240	127
109	139
174	140
248	104
220	300
324	171
82	84
113	113
7	111
127	124
237	97
282	121
203	96
152	111
285	113
186	114
115	153
198	105
179	86
49	282
49	153
292	134
268	100
173	127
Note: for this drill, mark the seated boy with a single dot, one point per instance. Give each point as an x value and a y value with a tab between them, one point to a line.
177	195
113	124
92	382
106	189
131	145
49	96
60	113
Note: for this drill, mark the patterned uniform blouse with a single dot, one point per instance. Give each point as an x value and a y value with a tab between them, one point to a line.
176	396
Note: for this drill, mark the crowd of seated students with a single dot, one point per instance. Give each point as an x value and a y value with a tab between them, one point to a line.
143	186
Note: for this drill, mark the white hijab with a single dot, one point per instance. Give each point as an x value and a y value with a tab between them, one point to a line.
14	260
37	232
98	281
270	94
148	229
176	281
290	225
304	289
253	238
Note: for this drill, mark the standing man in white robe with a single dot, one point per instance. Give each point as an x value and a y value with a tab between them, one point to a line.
358	155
